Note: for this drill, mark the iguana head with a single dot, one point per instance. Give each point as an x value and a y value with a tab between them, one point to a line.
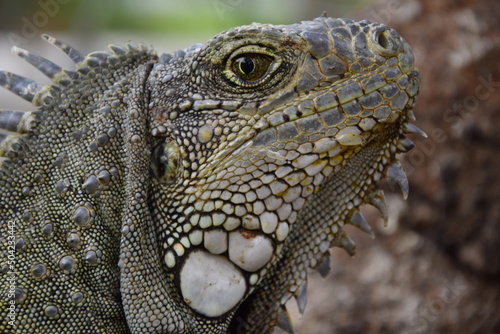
265	141
190	193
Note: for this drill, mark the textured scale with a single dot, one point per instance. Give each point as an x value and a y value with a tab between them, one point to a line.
191	192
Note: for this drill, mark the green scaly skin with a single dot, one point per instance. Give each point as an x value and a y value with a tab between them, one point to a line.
266	136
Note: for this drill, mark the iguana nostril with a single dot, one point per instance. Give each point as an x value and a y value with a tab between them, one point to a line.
384	40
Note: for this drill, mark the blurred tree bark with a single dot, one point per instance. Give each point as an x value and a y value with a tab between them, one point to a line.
456	172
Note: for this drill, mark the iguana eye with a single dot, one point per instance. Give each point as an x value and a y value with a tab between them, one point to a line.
165	161
251	67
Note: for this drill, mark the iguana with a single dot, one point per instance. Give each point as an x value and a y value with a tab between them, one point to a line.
191	192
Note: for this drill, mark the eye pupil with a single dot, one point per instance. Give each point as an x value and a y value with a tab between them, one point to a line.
247	65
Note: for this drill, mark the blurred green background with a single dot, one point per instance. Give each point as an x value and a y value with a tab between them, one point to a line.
168	15
167	25
202	18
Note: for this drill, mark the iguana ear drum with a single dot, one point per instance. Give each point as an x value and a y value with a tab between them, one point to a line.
165	161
